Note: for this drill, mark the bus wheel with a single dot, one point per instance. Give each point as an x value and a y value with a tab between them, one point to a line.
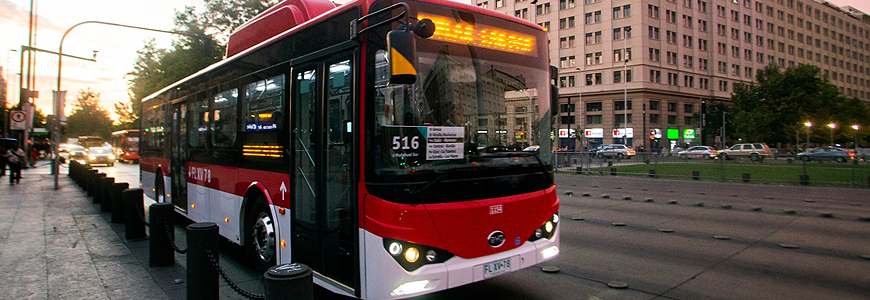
260	231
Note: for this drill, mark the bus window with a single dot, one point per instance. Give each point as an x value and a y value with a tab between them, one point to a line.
223	127
199	119
264	104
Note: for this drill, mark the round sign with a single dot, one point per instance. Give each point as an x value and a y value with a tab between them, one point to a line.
17	116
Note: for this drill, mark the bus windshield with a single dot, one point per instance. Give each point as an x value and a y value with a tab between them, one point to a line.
476	124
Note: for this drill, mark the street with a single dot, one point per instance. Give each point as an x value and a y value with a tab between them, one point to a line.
671	239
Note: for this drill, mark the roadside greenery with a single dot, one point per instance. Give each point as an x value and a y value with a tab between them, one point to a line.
767	173
775	107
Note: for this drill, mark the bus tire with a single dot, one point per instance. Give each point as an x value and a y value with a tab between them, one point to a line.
260	242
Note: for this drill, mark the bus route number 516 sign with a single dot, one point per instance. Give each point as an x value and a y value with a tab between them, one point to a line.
17	120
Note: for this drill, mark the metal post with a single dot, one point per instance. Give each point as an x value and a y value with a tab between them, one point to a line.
93	186
202	277
103	193
289	279
117	201
134	214
162	232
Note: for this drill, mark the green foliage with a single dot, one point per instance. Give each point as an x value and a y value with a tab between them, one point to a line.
774	108
87	117
203	44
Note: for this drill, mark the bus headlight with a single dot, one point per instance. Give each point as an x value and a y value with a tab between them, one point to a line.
547	230
395	248
408	254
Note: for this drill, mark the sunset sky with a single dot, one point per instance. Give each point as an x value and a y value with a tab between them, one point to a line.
117	46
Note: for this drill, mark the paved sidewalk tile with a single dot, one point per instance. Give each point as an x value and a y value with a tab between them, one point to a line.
55	244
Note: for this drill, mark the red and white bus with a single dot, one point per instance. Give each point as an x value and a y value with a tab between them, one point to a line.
125	144
391	173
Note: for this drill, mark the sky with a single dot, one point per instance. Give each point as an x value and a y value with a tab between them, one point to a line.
117	46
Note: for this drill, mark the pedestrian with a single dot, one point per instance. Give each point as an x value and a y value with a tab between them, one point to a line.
2	160
15	157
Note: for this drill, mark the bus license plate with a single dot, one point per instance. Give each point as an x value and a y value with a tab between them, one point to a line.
496	268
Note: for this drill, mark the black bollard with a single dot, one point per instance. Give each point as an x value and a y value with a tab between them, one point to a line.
86	176
746	178
73	167
117	201
93	186
133	214
289	279
805	179
652	173
103	193
161	232
696	175
202	277
612	171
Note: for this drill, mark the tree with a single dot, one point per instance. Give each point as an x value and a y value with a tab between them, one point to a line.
87	117
204	44
774	108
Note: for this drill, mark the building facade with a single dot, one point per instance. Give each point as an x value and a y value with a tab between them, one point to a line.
632	69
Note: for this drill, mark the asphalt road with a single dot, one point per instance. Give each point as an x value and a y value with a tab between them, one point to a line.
682	240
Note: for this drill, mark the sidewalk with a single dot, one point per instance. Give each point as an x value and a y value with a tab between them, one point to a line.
55	244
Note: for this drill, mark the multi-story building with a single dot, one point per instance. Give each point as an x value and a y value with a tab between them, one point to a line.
632	68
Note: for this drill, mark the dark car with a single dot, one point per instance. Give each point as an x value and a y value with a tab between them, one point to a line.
827	153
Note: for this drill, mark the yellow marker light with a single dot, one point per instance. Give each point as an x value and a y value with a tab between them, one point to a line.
548	226
411	255
283	244
193	206
226	220
281	210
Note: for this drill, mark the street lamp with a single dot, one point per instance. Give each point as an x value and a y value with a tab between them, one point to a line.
808	125
625	84
832	126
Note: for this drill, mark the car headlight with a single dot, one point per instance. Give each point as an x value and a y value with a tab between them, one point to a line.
547	230
111	157
408	254
91	157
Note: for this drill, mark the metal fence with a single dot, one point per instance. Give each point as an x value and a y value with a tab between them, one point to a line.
780	169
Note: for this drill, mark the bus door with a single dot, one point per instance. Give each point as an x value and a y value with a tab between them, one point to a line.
324	219
179	155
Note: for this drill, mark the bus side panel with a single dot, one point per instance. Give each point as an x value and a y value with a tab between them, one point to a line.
148	167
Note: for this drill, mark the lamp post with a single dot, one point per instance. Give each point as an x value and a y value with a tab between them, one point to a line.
625	84
856	127
58	102
808	125
832	126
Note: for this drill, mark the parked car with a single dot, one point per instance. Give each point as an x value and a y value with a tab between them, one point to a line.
827	153
100	155
754	151
598	148
699	152
616	150
75	151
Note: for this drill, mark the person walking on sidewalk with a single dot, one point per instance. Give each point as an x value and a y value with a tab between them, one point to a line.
2	160
15	157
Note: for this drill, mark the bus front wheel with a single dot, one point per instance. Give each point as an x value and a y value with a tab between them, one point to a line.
260	231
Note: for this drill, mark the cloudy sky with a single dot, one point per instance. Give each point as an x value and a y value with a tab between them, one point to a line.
117	46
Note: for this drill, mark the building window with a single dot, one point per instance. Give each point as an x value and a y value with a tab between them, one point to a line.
654	118
593	119
593	106
620	105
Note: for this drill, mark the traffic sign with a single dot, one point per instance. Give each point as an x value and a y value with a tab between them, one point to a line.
17	120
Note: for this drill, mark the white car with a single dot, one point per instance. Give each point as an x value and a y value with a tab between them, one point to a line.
617	150
698	152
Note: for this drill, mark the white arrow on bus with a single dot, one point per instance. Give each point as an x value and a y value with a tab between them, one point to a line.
283	190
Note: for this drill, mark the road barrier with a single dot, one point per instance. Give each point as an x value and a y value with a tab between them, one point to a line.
105	188
134	212
117	200
289	279
162	233
202	276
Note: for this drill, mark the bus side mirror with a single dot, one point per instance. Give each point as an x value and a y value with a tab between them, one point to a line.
402	56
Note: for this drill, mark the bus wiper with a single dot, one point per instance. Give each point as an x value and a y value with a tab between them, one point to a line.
442	176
